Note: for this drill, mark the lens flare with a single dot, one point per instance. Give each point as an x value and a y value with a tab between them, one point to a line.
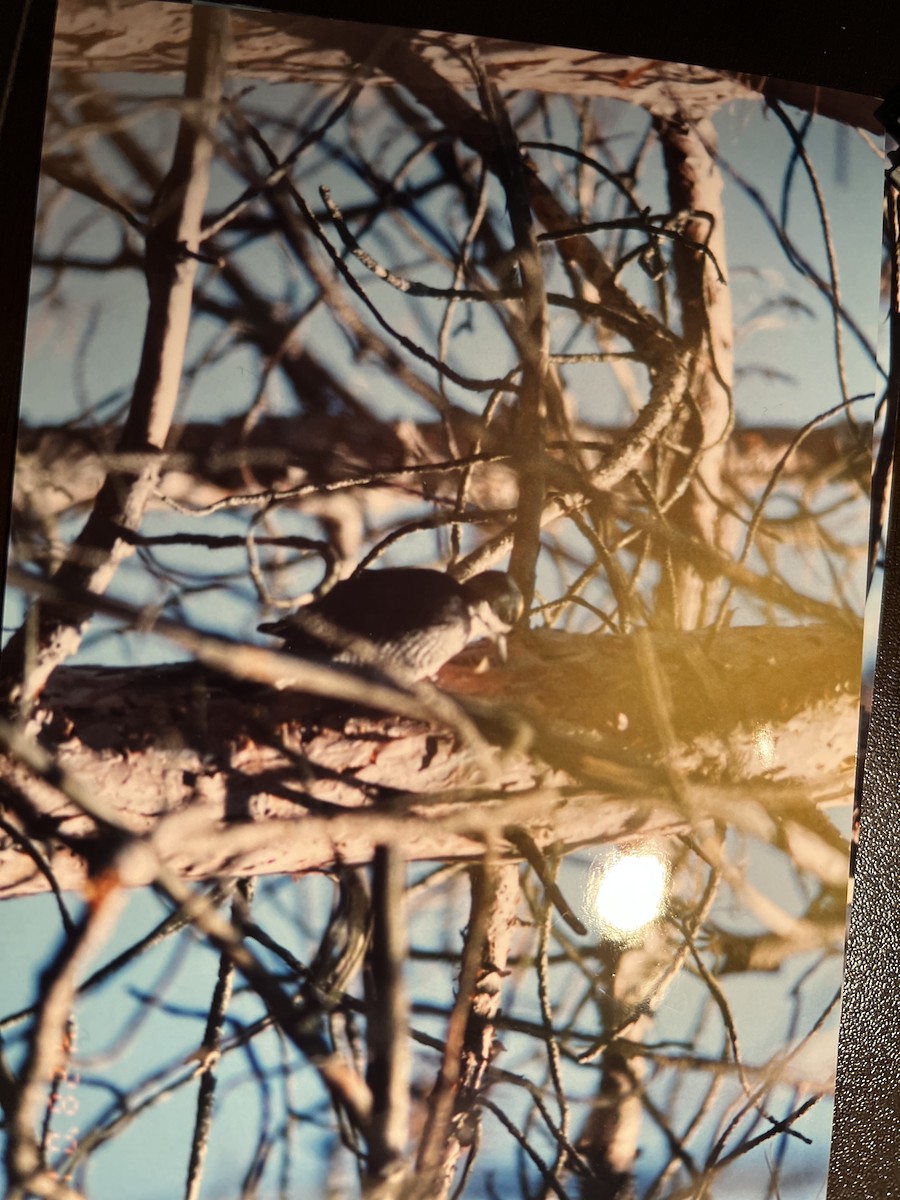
629	891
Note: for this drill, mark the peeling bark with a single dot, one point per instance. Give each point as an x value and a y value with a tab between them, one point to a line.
234	779
117	35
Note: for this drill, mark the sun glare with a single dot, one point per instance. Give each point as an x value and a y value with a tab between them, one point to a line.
629	892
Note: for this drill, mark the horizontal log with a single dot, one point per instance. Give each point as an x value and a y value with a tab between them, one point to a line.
224	778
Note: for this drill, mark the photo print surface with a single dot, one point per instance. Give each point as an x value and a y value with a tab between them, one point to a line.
433	637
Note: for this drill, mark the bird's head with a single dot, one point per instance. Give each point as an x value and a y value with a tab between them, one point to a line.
495	604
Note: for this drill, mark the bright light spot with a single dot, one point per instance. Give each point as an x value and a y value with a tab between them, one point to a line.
765	745
630	892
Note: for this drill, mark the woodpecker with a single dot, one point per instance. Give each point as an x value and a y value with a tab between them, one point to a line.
412	618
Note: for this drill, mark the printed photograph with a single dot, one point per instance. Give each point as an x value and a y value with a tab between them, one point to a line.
449	483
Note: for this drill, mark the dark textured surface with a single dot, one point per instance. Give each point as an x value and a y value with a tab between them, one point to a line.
25	33
865	1163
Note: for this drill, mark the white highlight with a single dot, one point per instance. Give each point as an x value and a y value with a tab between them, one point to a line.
630	892
764	742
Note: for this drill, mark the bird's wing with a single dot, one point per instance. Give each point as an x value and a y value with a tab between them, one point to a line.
381	606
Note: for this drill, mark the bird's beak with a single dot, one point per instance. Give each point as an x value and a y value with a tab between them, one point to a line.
502	648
